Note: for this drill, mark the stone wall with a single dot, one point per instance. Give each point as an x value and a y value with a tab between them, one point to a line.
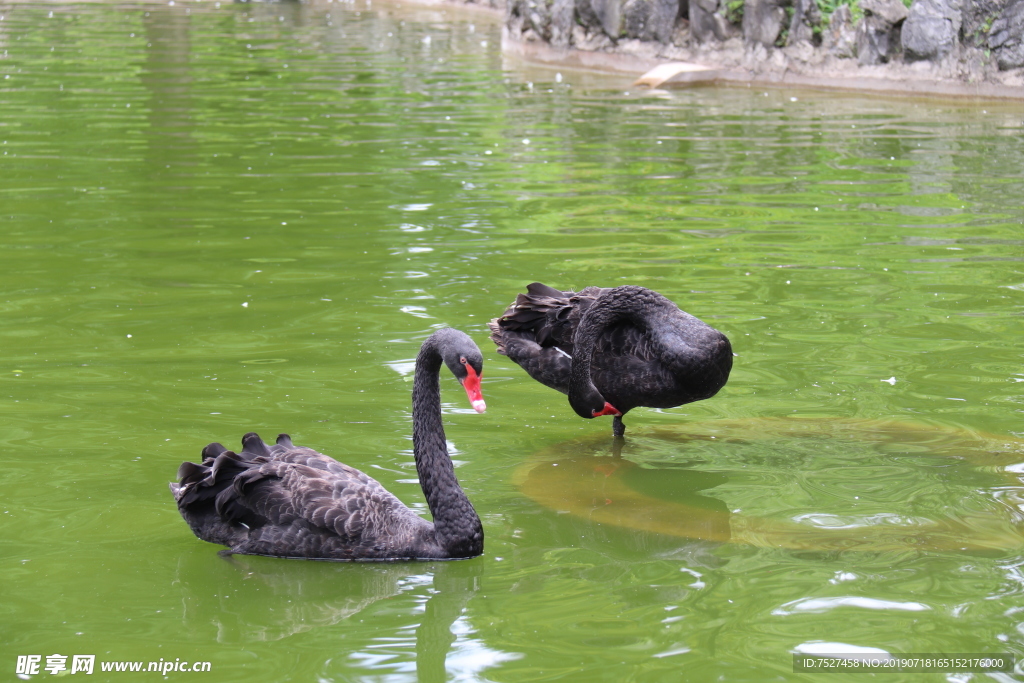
986	33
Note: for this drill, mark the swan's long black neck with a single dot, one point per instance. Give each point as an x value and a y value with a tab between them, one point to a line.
696	353
643	308
456	524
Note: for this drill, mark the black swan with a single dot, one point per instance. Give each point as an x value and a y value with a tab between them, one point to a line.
612	350
287	501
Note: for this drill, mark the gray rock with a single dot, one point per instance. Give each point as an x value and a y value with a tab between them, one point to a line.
762	21
1006	38
650	19
806	17
878	33
840	38
876	40
592	41
932	29
514	17
890	11
538	19
976	19
562	14
601	15
608	11
707	22
586	18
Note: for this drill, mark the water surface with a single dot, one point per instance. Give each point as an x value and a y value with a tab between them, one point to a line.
217	218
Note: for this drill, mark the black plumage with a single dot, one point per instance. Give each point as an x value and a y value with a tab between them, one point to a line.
613	349
287	501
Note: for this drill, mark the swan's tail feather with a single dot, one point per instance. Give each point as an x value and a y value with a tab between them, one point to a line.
229	505
253	446
201	487
537	331
549	316
190	470
497	336
538	289
198	483
211	451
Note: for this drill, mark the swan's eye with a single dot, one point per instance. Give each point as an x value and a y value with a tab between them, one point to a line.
463	360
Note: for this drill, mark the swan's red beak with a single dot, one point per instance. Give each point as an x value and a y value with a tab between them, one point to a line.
608	409
472	386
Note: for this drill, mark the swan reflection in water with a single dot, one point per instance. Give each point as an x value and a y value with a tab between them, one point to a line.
242	599
797	483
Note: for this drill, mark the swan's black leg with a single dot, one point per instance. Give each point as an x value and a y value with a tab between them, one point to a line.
618	429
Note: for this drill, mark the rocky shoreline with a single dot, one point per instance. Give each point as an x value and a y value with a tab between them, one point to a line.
956	48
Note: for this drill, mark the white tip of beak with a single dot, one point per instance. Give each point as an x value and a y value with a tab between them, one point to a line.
479	406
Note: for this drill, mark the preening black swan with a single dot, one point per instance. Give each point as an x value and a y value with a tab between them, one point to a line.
287	501
612	350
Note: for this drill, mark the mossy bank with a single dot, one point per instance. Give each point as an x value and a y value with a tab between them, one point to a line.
937	46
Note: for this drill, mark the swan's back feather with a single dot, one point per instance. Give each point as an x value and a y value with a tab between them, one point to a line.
628	367
286	500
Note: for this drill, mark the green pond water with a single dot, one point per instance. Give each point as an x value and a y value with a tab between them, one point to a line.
217	218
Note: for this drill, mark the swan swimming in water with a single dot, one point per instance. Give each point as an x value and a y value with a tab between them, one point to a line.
613	349
287	501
